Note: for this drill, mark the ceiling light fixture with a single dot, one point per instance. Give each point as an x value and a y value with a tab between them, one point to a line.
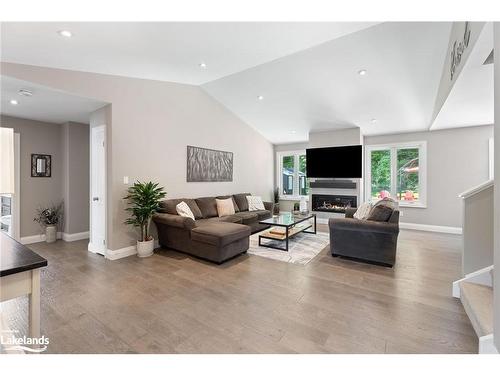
65	33
25	92
203	65
260	97
293	132
362	72
14	102
373	120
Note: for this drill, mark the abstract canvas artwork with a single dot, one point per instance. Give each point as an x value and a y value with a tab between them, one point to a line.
205	165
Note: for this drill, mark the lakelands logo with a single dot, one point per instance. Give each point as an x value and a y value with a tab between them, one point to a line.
9	342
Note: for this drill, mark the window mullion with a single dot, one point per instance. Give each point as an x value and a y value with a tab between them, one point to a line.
394	164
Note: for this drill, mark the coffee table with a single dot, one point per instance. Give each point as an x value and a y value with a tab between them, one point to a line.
292	224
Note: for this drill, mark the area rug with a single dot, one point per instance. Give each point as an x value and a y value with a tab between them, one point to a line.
302	248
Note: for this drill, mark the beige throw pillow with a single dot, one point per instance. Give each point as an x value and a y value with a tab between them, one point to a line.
225	207
184	210
255	203
363	211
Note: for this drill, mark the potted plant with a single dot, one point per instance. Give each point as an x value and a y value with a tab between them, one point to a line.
49	218
276	201
143	200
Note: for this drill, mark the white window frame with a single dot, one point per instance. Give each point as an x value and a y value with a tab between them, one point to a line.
279	180
422	172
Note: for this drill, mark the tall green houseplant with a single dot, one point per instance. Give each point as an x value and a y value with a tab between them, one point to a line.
143	200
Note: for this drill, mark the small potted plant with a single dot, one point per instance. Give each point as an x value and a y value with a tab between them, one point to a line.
49	218
143	200
276	202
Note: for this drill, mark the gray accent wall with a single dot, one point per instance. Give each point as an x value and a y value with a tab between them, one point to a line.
36	137
68	145
457	160
76	176
152	123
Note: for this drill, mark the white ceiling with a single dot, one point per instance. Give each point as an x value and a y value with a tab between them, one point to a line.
46	104
307	72
471	100
165	51
320	89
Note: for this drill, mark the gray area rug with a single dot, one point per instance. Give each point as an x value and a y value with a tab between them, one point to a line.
302	248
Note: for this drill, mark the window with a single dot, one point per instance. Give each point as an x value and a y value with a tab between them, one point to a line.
397	171
292	179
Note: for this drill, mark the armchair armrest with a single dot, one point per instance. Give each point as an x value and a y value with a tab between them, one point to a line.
363	225
174	220
269	206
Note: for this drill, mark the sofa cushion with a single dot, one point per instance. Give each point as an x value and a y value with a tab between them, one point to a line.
225	207
236	208
247	217
168	206
262	214
223	219
382	210
184	210
208	206
255	203
219	234
241	201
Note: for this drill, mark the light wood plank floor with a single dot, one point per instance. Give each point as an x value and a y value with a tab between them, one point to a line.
171	303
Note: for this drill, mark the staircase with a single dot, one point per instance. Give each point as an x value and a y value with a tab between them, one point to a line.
475	290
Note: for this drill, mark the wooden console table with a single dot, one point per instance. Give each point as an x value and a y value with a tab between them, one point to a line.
19	276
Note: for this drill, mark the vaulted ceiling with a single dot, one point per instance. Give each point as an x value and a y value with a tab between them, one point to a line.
283	79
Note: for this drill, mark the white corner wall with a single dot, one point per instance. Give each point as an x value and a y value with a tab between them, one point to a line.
152	123
496	220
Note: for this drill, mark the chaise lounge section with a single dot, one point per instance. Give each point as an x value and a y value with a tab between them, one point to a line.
209	236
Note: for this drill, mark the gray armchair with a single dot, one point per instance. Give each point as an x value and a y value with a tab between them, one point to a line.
365	240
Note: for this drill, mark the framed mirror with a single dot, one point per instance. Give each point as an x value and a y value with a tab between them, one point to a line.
41	165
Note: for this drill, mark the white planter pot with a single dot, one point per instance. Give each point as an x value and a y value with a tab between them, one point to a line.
50	233
145	248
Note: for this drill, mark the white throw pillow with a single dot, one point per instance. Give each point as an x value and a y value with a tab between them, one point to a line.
184	210
255	203
225	207
363	211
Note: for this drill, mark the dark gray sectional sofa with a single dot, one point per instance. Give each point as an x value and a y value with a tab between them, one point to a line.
209	236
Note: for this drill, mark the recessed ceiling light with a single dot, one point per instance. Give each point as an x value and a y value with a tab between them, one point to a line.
373	120
203	65
65	33
14	102
260	97
293	132
362	72
25	92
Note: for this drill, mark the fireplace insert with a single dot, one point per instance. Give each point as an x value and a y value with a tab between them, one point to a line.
333	203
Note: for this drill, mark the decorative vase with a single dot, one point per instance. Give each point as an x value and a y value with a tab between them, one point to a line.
50	233
276	209
145	248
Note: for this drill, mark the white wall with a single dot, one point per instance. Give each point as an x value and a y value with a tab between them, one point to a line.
496	286
457	160
152	123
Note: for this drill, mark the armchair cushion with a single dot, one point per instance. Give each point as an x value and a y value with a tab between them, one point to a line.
351	224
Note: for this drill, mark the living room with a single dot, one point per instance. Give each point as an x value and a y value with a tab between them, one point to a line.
252	183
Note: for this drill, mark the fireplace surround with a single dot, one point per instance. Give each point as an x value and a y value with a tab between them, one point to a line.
333	203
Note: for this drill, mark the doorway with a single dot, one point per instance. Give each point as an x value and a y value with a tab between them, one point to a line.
10	203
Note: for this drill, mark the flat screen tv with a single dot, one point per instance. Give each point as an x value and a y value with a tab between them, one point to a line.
335	162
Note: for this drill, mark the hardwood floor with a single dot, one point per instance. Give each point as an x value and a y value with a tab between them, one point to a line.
171	303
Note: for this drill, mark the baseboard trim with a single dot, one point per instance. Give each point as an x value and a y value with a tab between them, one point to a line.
487	345
121	253
36	238
431	228
70	237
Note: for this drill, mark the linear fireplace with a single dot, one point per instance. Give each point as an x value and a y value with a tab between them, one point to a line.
333	203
